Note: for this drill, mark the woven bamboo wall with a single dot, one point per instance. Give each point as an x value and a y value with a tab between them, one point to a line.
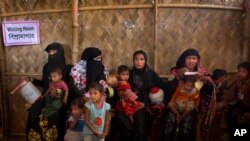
215	33
132	30
120	32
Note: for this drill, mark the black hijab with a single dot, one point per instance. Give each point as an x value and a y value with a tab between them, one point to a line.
182	59
90	53
95	68
141	78
57	59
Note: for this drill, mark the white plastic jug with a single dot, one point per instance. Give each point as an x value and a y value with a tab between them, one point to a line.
30	92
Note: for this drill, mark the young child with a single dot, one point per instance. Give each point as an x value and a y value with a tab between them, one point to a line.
223	92
108	86
96	115
128	103
55	102
185	98
242	95
75	122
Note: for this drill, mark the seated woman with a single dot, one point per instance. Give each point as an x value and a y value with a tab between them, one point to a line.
88	70
54	126
189	61
142	80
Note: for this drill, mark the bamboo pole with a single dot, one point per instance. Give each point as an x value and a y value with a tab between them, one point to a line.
120	7
155	34
246	42
23	74
4	99
35	12
116	7
201	6
75	31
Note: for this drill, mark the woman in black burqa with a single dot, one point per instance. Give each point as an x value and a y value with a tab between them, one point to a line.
142	79
88	70
95	67
33	130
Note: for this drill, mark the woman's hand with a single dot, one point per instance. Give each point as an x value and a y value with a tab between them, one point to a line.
181	72
201	77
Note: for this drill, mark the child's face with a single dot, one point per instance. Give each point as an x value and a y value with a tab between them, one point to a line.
221	79
95	95
112	81
124	76
76	111
189	86
242	73
55	77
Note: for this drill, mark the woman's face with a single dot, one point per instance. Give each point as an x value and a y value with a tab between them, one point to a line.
139	61
191	62
52	52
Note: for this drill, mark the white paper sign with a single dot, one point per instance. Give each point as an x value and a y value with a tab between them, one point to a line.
21	32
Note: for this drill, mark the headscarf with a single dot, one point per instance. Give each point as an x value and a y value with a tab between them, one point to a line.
57	59
89	69
90	53
182	59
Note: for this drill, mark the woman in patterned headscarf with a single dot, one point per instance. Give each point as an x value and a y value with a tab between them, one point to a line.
189	61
